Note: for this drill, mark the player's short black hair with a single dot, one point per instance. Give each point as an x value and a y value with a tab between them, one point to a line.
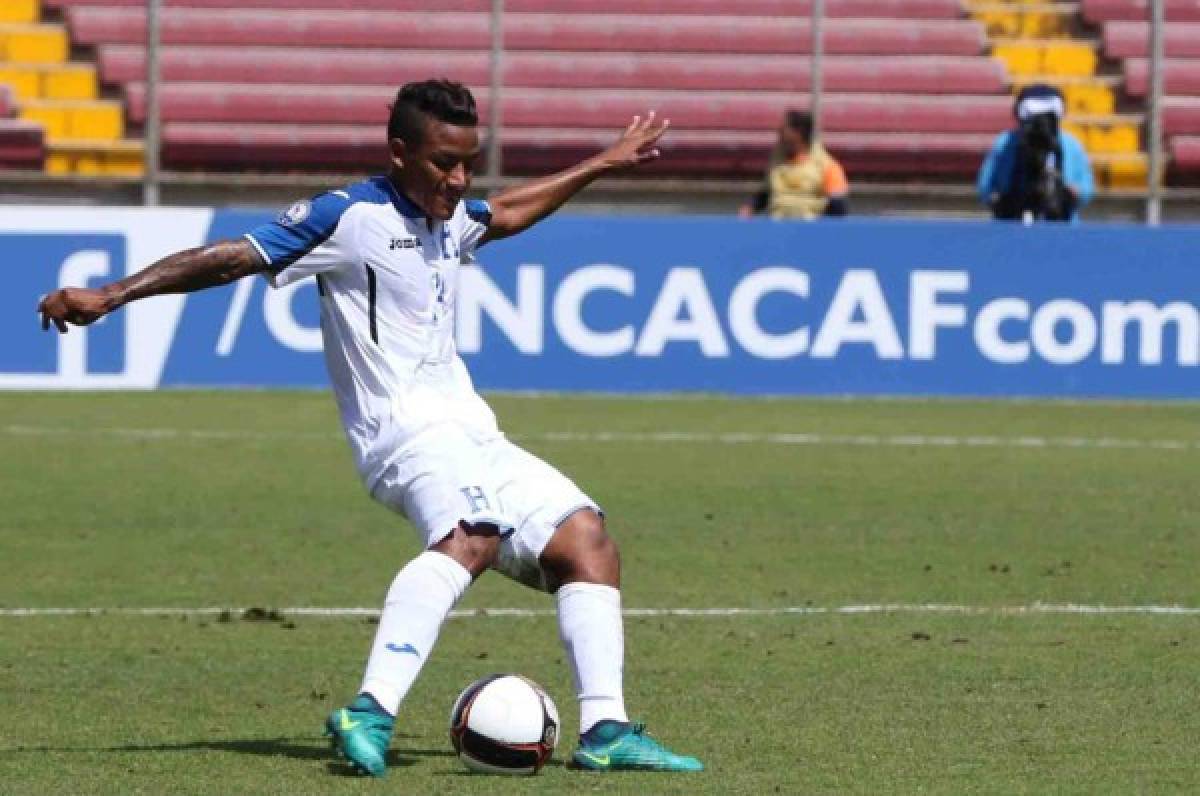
801	122
442	99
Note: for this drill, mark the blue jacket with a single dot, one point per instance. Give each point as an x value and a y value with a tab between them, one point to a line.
996	173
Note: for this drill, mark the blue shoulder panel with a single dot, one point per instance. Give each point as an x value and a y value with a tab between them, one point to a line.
479	211
308	223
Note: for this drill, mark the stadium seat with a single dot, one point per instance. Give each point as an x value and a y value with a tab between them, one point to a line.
334	148
1185	153
22	82
1097	11
1106	135
72	81
1122	171
1094	97
892	9
1181	115
21	145
85	119
95	157
41	44
1182	77
908	74
1132	39
603	109
1025	20
911	89
21	11
1038	58
609	33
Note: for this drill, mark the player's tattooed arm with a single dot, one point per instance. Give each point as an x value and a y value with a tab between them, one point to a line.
520	207
183	272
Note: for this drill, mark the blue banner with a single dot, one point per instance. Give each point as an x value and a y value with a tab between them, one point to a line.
665	304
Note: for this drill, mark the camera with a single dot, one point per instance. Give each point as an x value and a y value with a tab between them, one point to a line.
1040	158
1035	189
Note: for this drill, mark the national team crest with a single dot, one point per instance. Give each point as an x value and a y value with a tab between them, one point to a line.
296	213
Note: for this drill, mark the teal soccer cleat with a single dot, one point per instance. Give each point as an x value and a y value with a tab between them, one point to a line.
361	733
617	746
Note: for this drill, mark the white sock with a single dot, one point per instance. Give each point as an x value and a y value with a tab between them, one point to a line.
590	625
417	604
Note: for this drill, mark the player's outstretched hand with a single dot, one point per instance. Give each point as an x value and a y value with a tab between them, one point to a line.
637	145
77	305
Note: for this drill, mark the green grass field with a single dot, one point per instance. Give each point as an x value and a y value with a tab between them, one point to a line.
182	501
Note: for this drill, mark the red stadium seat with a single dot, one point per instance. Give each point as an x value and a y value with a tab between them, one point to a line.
1105	10
608	33
893	9
1185	154
579	108
334	148
910	88
1181	115
1131	39
916	74
1182	77
22	145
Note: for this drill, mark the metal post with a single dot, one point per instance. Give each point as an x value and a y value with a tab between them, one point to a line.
495	98
816	67
153	137
1155	133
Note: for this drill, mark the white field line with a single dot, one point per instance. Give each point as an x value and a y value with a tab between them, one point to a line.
1033	609
694	437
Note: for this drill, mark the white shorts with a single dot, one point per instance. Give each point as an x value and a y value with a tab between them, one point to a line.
445	476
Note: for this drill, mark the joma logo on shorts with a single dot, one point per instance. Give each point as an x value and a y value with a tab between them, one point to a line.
404	243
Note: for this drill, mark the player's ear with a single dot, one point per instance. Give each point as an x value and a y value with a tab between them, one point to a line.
399	152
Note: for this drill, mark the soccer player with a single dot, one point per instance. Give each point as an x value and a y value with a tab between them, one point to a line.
386	253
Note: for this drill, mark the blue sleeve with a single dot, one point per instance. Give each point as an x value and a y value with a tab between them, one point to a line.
476	219
479	211
1077	169
300	229
996	171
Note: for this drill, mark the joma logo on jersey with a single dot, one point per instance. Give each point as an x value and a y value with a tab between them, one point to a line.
404	243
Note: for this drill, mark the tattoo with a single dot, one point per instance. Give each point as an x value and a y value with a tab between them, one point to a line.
193	269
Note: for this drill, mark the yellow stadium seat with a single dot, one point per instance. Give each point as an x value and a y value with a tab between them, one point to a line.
1113	138
1121	172
65	119
25	82
109	158
1019	59
1028	22
33	44
69	82
1003	23
1069	60
97	119
1044	24
1089	98
57	164
53	118
20	11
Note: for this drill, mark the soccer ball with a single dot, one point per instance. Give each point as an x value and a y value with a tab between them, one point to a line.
504	724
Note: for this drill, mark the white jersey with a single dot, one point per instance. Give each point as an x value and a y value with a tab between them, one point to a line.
387	280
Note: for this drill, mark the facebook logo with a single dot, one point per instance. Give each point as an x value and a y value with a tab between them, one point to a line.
46	262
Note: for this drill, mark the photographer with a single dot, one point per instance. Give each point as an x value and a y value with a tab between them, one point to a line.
1036	172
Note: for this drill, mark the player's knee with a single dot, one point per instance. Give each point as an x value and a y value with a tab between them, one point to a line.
582	551
474	546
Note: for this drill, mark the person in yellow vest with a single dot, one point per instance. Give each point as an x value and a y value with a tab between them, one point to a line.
805	181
